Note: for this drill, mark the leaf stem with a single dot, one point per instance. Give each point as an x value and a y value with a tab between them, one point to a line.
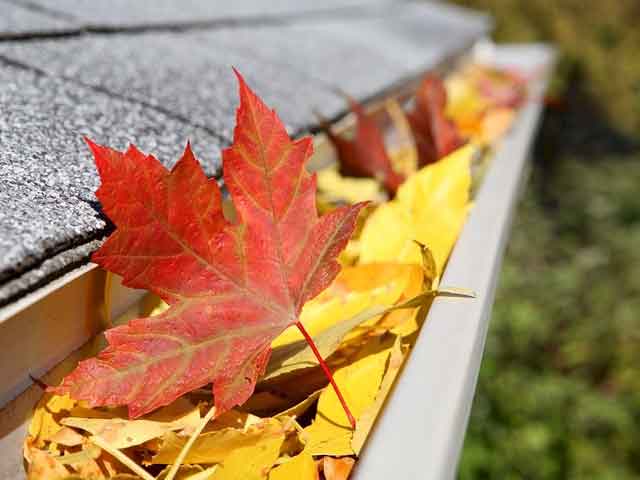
126	461
327	372
177	463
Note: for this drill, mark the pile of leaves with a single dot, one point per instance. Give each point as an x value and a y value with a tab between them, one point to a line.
277	332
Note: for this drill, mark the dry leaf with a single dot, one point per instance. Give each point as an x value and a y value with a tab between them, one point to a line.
365	154
369	415
334	188
67	437
330	432
495	123
44	466
435	135
352	292
401	147
300	467
216	446
189	472
44	423
124	433
251	462
430	207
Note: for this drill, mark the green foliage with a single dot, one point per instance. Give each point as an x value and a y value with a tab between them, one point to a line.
559	388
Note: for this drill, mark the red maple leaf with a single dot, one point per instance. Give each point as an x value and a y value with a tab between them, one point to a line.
365	155
231	287
435	135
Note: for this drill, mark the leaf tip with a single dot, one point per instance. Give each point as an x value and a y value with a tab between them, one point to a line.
242	84
96	148
188	154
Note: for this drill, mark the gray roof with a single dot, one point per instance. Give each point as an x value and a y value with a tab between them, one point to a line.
159	75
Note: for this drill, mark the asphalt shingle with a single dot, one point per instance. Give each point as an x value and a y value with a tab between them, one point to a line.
296	69
16	20
361	57
185	74
125	13
47	177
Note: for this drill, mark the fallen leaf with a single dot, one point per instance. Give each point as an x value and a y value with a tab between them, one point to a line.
465	105
330	432
401	145
84	462
369	415
233	419
366	292
232	287
334	188
67	437
218	445
44	466
337	468
365	154
121	433
430	207
251	462
124	433
435	135
483	100
495	124
89	452
353	291
300	467
45	421
189	472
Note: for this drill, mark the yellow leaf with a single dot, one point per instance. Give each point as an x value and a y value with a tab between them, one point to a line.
465	105
189	472
300	467
353	291
330	433
252	462
357	298
411	323
430	207
233	419
334	188
216	446
123	433
368	417
44	424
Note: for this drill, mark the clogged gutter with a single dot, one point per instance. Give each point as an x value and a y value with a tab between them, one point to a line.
416	172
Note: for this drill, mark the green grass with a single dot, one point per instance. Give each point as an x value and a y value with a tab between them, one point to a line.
559	389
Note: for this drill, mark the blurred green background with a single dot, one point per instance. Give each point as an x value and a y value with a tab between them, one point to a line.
559	389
